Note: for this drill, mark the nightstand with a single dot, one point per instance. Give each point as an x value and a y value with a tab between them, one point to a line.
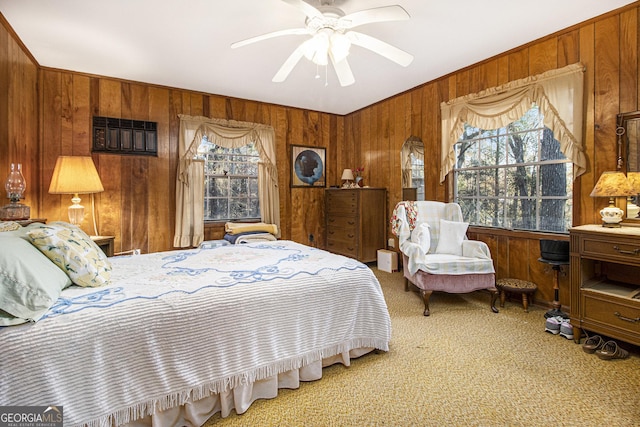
105	243
25	222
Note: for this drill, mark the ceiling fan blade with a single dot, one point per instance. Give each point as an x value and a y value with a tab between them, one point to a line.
290	63
343	70
308	10
381	48
292	31
376	14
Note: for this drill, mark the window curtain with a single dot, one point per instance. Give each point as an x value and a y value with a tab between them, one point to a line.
190	177
414	146
557	93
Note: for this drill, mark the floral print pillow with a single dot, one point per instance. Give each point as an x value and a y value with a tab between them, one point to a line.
74	252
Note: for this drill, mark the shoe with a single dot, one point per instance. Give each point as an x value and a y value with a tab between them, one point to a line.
552	325
610	350
566	330
592	344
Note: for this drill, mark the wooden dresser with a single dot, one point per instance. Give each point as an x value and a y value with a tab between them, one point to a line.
356	222
605	282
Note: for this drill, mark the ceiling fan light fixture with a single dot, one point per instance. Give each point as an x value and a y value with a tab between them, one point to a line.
317	49
332	35
340	45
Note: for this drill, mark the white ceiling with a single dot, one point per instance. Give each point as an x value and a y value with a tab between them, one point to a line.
186	44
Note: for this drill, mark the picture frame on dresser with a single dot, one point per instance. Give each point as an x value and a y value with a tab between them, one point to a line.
308	167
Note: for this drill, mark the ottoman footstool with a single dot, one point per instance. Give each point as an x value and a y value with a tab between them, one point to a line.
516	286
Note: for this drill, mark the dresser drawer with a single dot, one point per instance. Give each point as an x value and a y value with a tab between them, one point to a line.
342	234
342	222
620	250
343	245
623	314
342	201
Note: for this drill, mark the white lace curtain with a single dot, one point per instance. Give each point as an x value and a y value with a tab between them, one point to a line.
190	177
557	93
414	146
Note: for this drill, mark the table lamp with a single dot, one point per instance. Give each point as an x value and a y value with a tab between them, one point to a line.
347	178
612	184
75	175
15	186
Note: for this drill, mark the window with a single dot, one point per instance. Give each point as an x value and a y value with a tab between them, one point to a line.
417	176
231	182
514	177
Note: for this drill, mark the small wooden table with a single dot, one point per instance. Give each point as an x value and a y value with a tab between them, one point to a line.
557	307
105	243
516	286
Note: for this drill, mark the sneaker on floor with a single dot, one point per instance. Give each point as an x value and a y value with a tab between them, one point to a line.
552	325
566	330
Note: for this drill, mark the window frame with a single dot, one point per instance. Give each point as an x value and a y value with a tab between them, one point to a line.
502	197
253	196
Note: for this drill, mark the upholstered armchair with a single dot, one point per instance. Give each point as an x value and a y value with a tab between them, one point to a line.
436	253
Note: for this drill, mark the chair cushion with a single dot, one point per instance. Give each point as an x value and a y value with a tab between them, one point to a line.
455	265
452	233
516	285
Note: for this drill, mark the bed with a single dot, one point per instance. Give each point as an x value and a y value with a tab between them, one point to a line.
175	337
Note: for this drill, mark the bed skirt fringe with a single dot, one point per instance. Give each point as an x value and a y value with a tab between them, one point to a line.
194	406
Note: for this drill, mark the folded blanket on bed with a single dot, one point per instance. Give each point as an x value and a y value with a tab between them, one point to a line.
249	236
242	227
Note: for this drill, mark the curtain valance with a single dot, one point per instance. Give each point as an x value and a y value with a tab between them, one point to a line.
557	93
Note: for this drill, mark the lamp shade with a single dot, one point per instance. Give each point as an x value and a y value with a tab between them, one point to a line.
75	175
634	181
612	184
347	175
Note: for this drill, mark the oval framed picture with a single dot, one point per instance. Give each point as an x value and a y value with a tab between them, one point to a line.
308	166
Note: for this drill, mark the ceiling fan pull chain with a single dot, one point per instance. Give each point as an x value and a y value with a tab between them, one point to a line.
317	71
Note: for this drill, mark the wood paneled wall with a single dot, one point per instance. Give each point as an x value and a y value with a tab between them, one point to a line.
608	48
138	204
19	141
45	113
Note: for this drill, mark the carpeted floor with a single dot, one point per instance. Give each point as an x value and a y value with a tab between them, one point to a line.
462	366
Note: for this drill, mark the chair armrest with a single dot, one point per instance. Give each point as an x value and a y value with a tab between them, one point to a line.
475	249
410	248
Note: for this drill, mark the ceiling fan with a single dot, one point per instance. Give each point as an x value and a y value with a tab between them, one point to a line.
332	37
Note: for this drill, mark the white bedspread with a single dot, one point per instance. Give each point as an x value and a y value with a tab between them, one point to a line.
174	327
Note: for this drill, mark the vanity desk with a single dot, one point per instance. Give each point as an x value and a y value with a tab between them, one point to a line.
605	282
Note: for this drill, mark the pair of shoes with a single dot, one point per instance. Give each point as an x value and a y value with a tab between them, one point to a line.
611	350
566	330
592	344
552	324
559	325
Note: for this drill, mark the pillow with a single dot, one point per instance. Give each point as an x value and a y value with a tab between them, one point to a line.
74	252
421	235
452	233
21	231
9	226
29	282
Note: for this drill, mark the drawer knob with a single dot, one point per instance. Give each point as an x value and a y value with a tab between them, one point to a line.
627	319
